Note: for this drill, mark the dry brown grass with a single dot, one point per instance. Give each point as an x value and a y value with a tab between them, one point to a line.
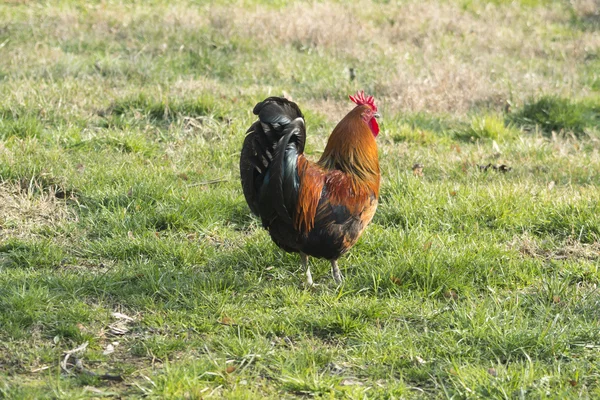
23	214
426	56
587	8
318	25
570	249
441	57
437	57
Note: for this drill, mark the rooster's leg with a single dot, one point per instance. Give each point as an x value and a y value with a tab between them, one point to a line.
337	275
309	281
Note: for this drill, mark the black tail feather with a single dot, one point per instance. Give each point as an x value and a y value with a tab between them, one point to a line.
268	164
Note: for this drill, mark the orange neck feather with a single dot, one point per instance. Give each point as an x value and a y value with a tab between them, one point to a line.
352	149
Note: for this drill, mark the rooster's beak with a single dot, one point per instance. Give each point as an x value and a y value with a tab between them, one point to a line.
377	115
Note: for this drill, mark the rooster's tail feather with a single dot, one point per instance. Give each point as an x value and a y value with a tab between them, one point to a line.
269	160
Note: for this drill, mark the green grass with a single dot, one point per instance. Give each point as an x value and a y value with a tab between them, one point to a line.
559	115
120	131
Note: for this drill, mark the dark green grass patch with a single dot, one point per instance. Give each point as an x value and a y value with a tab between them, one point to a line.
20	128
36	254
167	109
556	114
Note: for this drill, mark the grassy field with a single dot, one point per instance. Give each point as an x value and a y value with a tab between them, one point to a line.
130	265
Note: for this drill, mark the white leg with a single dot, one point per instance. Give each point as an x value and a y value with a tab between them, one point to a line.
337	275
309	280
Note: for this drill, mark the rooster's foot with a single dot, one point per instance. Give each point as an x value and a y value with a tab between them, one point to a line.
335	270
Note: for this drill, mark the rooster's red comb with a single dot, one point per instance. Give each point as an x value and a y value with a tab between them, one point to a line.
360	99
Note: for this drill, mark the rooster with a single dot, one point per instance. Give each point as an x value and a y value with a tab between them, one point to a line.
316	209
